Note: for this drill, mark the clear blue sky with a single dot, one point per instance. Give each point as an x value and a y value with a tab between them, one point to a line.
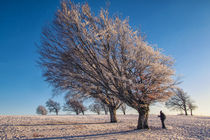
180	27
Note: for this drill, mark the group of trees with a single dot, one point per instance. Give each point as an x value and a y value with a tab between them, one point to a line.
102	57
76	105
181	102
51	105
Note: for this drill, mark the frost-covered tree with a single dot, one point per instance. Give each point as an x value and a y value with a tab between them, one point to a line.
41	110
191	106
179	101
123	108
74	105
105	57
53	106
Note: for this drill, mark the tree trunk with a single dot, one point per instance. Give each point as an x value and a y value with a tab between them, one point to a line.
191	112
143	118
56	112
112	112
77	113
185	110
124	112
83	113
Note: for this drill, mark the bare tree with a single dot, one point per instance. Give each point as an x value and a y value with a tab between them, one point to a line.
53	106
123	108
106	58
179	101
74	104
41	110
191	106
96	107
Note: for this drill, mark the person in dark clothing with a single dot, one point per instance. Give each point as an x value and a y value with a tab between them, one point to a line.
162	118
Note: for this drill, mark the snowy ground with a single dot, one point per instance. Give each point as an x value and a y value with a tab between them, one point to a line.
97	127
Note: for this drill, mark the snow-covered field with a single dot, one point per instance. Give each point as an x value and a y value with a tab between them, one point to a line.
97	127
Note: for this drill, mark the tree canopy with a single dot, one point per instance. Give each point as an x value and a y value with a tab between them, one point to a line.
103	55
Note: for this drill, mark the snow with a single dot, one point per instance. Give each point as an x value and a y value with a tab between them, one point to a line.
98	127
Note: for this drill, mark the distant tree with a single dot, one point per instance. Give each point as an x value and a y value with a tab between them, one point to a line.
53	106
74	105
123	108
179	101
191	106
104	108
108	102
96	107
41	110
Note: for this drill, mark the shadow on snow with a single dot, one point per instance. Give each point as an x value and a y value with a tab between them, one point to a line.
85	136
58	123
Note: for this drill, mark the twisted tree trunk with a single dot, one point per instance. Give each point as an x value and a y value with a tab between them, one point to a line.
143	117
112	112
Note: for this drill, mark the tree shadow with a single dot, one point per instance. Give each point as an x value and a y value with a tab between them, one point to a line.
85	136
59	123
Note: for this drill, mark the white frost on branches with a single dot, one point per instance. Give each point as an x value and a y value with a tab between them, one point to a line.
105	56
